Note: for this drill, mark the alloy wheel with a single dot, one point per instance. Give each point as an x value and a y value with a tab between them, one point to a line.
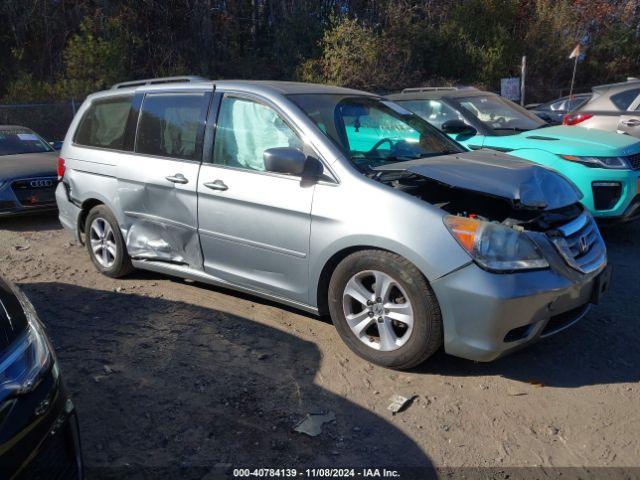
378	310
103	242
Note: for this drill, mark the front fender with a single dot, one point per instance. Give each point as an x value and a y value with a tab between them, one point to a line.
372	215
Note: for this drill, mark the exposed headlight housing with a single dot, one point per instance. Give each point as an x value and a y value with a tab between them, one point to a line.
22	365
619	163
495	247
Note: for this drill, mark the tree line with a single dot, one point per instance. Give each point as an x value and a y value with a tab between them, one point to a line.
62	49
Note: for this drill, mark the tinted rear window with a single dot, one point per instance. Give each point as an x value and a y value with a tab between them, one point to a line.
104	123
623	100
170	125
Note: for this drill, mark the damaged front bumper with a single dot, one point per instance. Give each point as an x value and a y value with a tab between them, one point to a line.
487	315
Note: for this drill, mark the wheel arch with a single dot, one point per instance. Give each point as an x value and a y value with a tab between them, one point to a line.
322	292
85	208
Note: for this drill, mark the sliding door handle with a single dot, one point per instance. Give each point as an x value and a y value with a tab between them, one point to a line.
217	185
177	178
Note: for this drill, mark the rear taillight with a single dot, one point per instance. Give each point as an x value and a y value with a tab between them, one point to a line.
575	118
61	168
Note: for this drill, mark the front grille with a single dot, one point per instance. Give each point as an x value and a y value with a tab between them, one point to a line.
606	194
33	192
56	459
580	244
634	161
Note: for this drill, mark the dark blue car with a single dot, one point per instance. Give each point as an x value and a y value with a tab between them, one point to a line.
28	172
38	426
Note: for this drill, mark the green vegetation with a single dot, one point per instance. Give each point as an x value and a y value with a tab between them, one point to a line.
56	50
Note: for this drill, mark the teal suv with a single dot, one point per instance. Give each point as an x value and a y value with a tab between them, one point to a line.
604	166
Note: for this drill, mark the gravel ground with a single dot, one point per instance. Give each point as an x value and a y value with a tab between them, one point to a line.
166	373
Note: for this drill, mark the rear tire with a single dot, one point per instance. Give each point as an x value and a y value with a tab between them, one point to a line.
105	243
384	309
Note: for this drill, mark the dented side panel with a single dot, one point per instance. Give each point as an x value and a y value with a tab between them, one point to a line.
161	215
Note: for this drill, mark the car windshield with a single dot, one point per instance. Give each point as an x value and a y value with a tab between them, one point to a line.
500	115
16	141
371	131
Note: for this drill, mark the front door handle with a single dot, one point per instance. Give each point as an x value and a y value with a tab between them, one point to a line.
217	185
634	122
177	178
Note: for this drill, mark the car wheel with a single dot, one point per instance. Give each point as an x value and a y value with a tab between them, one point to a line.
105	243
384	309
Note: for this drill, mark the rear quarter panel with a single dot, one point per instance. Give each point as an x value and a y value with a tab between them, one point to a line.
91	172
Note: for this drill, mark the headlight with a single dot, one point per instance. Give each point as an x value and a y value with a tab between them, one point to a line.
22	365
601	162
495	247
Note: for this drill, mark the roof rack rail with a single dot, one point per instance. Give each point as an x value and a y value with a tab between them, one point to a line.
160	80
434	89
607	86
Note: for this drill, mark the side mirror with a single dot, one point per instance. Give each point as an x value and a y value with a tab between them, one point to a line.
290	161
458	127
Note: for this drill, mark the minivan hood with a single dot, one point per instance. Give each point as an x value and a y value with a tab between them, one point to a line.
28	165
524	184
564	140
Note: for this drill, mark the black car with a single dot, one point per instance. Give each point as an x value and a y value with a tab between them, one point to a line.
28	172
38	424
553	111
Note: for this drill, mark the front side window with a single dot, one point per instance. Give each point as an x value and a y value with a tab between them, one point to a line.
16	141
436	112
371	131
245	129
500	114
104	123
170	125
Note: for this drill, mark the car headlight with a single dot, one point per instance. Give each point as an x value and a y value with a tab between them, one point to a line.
22	365
600	162
495	247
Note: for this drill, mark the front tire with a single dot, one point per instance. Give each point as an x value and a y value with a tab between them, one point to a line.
384	309
105	243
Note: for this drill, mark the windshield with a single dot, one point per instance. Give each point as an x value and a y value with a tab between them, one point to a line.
372	132
21	140
499	114
436	112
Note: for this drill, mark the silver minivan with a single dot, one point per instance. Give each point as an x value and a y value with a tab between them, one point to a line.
334	201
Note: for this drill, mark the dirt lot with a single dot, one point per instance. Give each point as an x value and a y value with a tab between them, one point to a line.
169	373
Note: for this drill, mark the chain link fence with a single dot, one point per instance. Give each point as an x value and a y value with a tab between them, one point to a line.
49	120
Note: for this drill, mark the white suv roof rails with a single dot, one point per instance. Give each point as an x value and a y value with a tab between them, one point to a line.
160	80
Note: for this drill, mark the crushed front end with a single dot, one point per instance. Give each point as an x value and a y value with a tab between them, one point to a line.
537	259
